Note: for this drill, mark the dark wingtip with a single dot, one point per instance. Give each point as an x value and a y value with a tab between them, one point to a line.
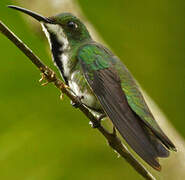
155	164
174	149
171	146
158	168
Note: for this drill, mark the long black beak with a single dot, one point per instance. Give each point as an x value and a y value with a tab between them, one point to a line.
33	14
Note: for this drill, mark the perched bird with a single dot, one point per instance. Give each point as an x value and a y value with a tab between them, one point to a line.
104	84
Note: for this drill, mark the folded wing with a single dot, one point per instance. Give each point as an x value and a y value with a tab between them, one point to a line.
105	82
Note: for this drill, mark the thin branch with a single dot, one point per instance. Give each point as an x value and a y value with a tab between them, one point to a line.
50	76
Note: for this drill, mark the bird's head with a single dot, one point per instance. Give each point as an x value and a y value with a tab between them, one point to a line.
65	27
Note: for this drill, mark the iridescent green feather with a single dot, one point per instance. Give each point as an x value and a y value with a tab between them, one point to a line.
94	57
98	58
134	96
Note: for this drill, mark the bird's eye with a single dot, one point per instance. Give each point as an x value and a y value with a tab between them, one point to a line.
72	25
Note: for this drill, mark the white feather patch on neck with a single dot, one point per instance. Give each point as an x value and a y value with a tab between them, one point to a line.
46	33
58	31
61	37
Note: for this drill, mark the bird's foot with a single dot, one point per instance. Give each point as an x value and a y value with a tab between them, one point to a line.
62	95
77	104
48	76
97	124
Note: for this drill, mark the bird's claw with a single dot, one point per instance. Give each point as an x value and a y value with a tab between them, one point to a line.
66	87
43	78
61	96
48	76
77	104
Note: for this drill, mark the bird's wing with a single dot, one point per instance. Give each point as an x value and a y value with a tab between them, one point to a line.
106	84
138	105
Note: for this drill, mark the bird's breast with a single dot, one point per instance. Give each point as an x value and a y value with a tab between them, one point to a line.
80	87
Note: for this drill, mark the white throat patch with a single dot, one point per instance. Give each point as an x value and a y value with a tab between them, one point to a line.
58	31
61	37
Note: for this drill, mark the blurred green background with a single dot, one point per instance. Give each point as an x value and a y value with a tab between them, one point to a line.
43	138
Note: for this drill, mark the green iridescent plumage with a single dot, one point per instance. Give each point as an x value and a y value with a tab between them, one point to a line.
97	59
94	58
104	84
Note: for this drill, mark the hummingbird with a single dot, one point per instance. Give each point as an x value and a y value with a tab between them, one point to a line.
104	84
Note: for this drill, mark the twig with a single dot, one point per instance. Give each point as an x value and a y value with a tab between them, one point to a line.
50	76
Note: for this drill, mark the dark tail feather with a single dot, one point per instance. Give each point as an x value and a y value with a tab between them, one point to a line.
158	145
159	137
162	137
161	150
114	102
